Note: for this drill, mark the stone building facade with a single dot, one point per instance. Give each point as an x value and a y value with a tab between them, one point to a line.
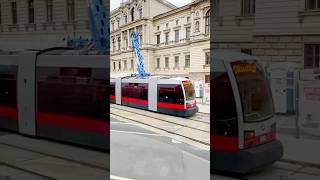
173	41
275	31
38	24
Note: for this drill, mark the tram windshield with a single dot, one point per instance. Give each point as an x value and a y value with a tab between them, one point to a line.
254	91
189	90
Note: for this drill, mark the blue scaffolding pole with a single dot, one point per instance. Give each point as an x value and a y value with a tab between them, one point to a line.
99	28
140	66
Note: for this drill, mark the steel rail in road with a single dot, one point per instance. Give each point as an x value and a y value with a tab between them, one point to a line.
12	166
173	119
172	132
57	157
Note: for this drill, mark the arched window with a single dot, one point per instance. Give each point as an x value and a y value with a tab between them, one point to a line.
113	44
197	25
132	14
207	22
119	43
140	13
125	19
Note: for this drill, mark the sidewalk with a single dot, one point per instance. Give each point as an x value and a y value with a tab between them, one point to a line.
204	107
305	149
301	150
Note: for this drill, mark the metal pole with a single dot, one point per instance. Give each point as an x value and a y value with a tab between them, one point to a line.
297	106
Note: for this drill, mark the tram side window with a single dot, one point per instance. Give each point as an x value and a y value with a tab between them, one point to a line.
72	91
170	93
8	86
223	106
135	90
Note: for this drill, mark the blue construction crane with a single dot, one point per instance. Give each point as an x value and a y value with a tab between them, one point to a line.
140	65
99	28
99	25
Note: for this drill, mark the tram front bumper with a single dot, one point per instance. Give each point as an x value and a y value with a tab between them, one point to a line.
247	160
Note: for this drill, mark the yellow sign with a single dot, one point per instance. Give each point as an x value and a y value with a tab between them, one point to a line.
244	68
186	83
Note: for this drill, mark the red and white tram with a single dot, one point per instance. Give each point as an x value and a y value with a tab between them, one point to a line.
58	94
174	96
243	126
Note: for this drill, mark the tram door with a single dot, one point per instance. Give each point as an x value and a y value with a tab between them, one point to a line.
26	94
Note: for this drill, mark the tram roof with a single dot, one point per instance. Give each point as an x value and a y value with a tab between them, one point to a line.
151	77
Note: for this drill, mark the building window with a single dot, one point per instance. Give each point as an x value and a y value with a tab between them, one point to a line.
113	44
131	64
158	39
167	25
125	65
207	79
247	51
125	19
132	14
248	7
166	61
49	10
177	22
140	13
312	4
118	23
197	26
207	22
70	10
140	40
119	43
14	12
158	63
158	28
207	58
187	61
114	66
119	65
188	31
125	37
167	38
176	36
31	11
112	26
311	55
188	19
176	61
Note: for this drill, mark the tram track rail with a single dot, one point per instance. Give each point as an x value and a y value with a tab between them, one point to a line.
201	115
23	170
171	117
56	156
15	165
172	132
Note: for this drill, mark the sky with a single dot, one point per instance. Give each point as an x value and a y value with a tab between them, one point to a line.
115	3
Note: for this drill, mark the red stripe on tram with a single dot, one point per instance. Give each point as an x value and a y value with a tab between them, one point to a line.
9	112
83	123
224	143
170	106
135	100
112	97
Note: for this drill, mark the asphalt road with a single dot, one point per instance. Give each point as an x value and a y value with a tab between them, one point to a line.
140	154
